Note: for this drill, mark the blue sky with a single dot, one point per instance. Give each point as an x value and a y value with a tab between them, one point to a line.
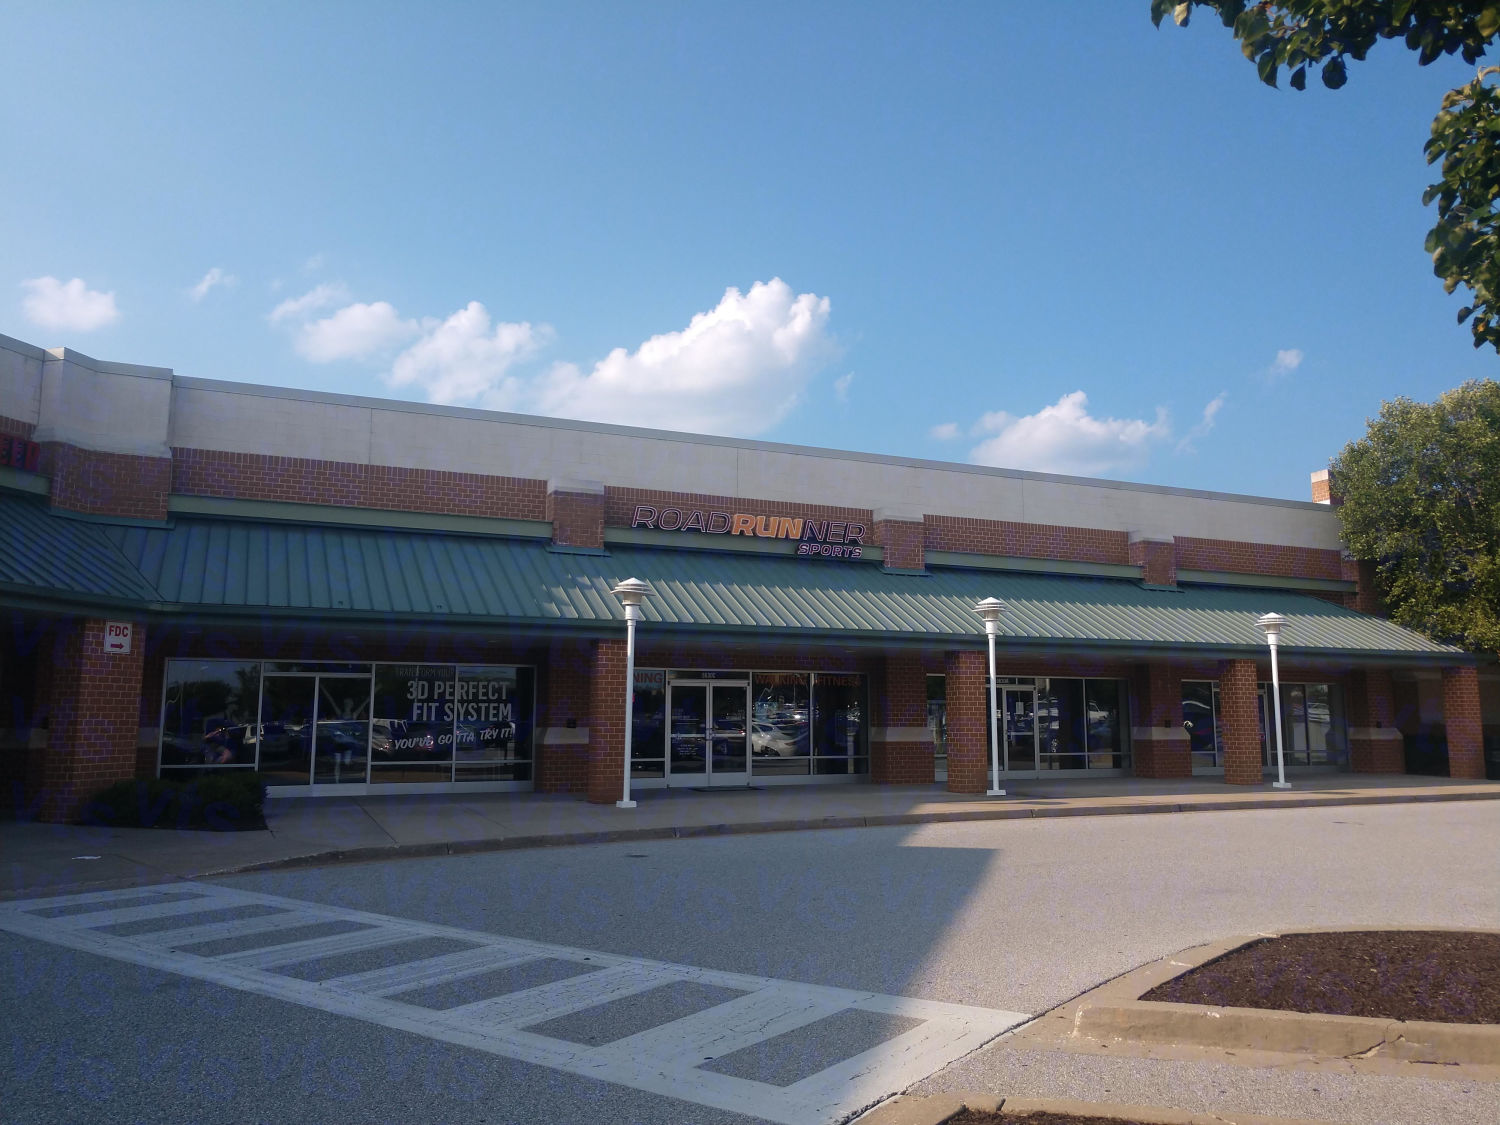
1045	236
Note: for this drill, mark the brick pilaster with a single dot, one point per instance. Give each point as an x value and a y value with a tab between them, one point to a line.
900	743
903	536
1240	718
562	751
1465	725
94	718
1160	747
107	484
968	756
1156	556
606	721
576	509
1375	742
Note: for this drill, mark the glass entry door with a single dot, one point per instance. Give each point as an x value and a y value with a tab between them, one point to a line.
1018	729
710	739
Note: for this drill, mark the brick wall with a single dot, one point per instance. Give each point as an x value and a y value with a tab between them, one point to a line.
607	721
903	542
112	484
1160	747
254	476
15	426
899	706
1240	716
577	518
1258	558
94	719
968	756
1461	716
1025	540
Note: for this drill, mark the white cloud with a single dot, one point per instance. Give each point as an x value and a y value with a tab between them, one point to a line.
323	296
213	277
841	386
465	361
737	369
945	431
1205	423
1287	360
68	306
314	263
1065	438
355	331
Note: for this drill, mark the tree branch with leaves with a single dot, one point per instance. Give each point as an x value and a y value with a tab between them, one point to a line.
1323	35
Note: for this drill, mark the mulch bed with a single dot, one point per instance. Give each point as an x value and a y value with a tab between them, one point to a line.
1398	975
989	1117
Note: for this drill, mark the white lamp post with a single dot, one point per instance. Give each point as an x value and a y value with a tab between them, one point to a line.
1271	624
990	609
632	592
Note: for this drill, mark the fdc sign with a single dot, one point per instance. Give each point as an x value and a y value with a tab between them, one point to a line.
117	636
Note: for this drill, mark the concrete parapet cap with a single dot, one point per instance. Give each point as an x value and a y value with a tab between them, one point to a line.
898	514
1148	537
900	734
577	486
105	366
1159	734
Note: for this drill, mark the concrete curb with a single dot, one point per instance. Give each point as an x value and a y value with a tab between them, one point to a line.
939	1108
1115	1012
880	820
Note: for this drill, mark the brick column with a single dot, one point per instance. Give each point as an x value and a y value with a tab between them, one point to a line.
968	718
562	750
606	721
903	536
1375	742
576	509
900	743
94	712
108	484
1464	723
1156	555
1238	713
1159	745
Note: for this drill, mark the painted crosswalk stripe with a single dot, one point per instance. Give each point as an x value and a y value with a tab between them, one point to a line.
260	943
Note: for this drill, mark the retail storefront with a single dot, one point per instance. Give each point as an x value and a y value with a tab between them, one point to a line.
350	595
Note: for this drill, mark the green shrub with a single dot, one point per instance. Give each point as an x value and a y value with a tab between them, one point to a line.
225	801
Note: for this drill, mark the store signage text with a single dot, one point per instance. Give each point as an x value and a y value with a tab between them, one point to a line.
836	539
477	701
117	636
18	453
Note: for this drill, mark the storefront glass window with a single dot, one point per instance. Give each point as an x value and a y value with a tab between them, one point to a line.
412	733
492	739
1105	736
937	720
1312	724
648	731
781	724
209	713
1060	722
1198	719
838	724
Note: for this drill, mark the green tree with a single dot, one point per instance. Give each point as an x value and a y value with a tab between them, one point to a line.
1421	500
1324	34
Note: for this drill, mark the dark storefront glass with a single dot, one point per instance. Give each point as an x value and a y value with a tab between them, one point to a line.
209	716
838	725
648	731
492	708
781	725
411	735
1060	715
1199	720
341	748
1105	736
287	712
937	720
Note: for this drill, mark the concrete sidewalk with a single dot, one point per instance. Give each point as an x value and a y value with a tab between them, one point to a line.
42	859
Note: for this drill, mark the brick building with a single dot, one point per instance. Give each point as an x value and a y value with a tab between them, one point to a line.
355	595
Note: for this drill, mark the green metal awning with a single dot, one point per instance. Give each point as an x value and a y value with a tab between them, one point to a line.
227	567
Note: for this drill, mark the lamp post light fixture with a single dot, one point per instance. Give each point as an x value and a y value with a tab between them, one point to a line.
632	592
1271	625
990	609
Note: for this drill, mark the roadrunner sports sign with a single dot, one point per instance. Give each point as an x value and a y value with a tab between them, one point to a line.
823	539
